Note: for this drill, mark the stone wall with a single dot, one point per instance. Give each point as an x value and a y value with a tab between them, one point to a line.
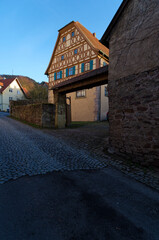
134	82
134	44
134	117
40	114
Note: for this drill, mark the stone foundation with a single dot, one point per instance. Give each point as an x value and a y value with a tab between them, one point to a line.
134	116
40	114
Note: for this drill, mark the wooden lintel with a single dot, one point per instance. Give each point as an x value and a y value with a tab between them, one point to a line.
88	83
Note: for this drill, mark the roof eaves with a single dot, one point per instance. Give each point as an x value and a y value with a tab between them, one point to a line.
20	86
46	72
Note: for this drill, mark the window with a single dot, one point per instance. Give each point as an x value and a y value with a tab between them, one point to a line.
10	98
75	51
64	39
87	66
104	64
70	71
81	93
18	92
106	91
73	34
59	75
62	57
10	90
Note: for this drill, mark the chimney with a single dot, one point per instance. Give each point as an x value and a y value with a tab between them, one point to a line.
94	34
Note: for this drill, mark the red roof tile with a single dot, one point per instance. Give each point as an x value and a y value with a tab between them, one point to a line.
92	39
6	83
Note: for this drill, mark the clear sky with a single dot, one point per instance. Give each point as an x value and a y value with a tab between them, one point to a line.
29	29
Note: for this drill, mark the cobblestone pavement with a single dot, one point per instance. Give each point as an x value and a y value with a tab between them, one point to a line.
94	139
25	150
29	151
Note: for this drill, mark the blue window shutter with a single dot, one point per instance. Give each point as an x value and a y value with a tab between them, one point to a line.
91	65
66	72
73	70
82	67
60	74
54	76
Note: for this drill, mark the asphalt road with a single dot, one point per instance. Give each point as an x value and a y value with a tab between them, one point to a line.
86	204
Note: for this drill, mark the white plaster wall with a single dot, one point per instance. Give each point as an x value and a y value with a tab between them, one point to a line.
0	101
14	94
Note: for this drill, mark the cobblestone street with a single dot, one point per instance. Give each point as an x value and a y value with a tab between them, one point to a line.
28	151
51	201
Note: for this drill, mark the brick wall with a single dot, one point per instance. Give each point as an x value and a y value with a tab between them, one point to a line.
40	114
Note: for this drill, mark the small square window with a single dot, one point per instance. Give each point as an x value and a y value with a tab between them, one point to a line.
73	34
10	98
62	57
75	51
64	39
81	93
18	92
10	90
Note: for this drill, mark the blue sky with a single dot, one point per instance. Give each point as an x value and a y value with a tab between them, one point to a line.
29	29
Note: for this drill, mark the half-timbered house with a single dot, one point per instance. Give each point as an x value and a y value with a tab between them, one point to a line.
76	52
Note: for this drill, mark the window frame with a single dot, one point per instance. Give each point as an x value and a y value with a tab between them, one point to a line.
73	34
75	51
81	93
58	75
106	91
70	71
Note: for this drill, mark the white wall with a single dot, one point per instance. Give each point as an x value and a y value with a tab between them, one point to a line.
16	94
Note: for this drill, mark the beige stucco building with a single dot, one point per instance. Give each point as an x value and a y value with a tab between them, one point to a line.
10	89
76	52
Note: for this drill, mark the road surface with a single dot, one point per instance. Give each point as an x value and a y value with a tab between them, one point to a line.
69	195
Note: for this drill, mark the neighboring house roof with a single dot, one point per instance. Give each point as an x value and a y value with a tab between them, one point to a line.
26	92
44	84
88	36
7	82
27	83
106	36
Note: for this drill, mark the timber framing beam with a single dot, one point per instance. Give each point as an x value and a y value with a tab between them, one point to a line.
88	80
